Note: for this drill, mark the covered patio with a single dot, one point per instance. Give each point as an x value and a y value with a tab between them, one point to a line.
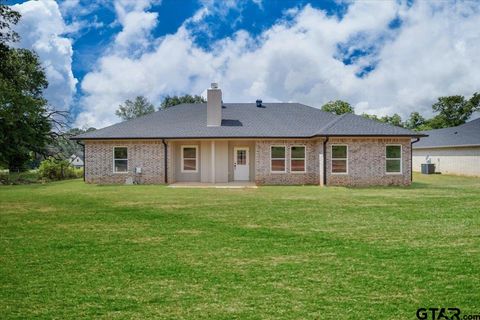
210	162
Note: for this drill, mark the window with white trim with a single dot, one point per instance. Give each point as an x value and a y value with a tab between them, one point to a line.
120	159
189	159
297	159
277	159
393	159
339	158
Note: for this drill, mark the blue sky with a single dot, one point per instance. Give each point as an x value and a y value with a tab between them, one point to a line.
382	57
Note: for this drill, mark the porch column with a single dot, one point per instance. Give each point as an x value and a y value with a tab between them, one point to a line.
213	161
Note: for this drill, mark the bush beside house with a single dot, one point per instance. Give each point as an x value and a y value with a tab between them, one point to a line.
50	169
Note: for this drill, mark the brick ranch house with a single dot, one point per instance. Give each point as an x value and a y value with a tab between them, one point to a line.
264	143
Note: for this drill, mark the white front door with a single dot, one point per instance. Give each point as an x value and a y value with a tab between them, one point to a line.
241	169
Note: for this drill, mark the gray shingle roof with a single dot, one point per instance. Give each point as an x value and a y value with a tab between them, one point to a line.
467	134
244	120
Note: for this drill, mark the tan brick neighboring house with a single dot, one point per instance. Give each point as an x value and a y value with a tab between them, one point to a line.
265	143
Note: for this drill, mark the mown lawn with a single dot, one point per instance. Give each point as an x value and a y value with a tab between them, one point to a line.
70	250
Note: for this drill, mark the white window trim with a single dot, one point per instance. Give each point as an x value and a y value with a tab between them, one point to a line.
284	159
113	162
304	159
196	159
332	158
401	159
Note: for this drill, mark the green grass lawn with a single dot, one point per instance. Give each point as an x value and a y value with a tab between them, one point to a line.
71	250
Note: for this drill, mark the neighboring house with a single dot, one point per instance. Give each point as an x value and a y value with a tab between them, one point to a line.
265	143
75	161
453	150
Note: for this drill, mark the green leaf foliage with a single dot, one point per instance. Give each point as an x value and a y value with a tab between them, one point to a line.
26	120
54	169
170	101
134	109
338	107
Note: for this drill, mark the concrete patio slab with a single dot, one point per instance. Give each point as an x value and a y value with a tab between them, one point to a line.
227	185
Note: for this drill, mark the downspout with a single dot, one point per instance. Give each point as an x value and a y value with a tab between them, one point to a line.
325	161
84	162
411	158
165	159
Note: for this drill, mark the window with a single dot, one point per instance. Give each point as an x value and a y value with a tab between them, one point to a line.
241	156
120	159
277	156
189	159
339	159
393	159
297	159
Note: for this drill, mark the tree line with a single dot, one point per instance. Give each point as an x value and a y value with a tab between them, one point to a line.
448	112
140	106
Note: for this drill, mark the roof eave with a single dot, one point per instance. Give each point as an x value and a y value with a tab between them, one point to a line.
447	146
252	137
373	135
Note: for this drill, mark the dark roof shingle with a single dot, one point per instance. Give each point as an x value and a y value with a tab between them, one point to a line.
245	120
467	134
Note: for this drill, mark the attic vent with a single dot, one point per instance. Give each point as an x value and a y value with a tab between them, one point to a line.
259	103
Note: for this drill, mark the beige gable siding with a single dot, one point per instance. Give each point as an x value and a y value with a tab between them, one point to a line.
221	161
145	154
366	162
459	161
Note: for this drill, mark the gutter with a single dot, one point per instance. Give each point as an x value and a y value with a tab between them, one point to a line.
165	159
84	162
411	158
325	161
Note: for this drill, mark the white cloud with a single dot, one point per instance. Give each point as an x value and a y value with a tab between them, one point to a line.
41	28
136	23
432	53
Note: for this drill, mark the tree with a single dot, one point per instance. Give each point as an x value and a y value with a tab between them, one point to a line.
338	107
134	109
63	147
170	101
415	122
27	123
454	110
371	116
395	120
8	17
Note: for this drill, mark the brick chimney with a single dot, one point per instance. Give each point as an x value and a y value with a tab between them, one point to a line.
214	106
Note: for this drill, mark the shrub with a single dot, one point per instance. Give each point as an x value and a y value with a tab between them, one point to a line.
78	172
53	169
27	177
